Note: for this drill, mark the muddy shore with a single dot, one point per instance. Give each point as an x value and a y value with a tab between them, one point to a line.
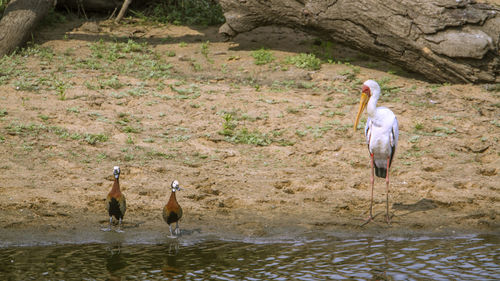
291	166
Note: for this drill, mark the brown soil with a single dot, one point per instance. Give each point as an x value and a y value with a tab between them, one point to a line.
312	177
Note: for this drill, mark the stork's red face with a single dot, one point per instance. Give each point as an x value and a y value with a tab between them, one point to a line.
366	90
366	93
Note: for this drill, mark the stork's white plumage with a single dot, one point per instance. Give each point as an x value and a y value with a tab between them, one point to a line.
381	133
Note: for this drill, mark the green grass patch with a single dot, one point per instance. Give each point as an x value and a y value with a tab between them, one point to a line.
132	58
262	56
306	61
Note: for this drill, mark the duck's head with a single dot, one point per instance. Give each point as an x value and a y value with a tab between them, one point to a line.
175	186
116	172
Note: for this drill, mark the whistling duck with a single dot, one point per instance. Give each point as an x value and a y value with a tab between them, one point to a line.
115	201
381	133
172	212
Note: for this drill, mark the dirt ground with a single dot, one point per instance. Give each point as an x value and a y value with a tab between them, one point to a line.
152	99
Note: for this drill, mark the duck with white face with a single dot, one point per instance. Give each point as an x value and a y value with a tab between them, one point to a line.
172	212
115	202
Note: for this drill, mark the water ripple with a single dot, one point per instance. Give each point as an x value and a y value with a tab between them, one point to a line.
462	258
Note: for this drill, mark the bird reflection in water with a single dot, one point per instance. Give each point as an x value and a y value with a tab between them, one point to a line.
170	268
374	248
115	261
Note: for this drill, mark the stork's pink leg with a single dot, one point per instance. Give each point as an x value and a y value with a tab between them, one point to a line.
388	218
372	182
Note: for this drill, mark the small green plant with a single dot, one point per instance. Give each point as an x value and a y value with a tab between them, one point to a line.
44	117
130	140
419	126
27	84
306	61
113	82
262	56
325	50
301	133
251	137
196	66
443	131
495	122
129	157
228	125
414	139
385	88
205	51
75	136
73	110
183	44
130	129
92	139
307	85
170	53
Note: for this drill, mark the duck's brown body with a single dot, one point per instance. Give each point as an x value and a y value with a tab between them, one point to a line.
115	202
172	212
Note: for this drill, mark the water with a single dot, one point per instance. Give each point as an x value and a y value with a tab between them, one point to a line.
459	258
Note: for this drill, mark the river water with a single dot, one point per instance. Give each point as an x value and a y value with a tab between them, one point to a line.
423	258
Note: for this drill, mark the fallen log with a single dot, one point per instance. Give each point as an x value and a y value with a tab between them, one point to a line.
19	19
446	40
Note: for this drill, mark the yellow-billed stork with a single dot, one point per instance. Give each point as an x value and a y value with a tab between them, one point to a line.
381	133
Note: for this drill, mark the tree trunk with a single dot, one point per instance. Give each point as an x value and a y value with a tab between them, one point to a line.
124	8
445	40
19	20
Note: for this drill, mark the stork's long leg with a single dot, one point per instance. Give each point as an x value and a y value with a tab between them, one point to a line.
372	183
388	218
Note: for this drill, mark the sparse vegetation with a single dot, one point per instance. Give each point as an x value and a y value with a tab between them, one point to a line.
244	135
206	105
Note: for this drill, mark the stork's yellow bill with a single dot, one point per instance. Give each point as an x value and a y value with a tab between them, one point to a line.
362	105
